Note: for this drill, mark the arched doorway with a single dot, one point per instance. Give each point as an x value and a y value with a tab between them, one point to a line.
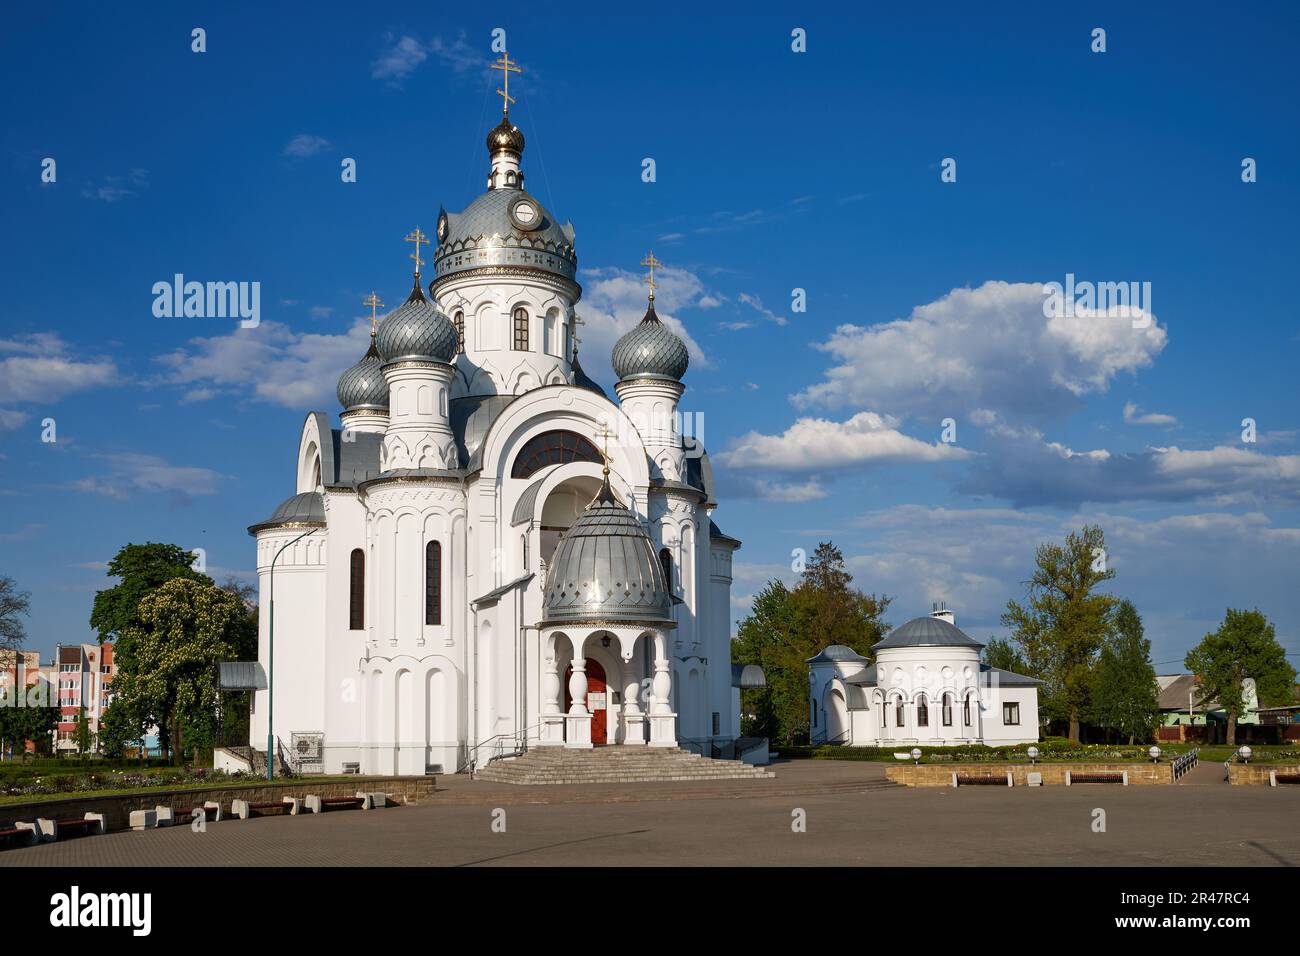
597	700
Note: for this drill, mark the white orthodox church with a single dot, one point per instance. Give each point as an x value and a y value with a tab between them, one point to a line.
488	551
927	687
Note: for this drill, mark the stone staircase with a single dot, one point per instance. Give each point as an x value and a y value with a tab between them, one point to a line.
556	765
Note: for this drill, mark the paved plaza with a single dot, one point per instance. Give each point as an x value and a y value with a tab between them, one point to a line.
854	817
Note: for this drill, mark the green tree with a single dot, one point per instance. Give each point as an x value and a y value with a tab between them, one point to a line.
82	736
1124	694
1061	628
14	604
1001	653
1245	645
33	718
787	626
186	629
140	569
119	728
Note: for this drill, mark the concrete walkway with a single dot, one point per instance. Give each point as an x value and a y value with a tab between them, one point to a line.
1206	773
851	818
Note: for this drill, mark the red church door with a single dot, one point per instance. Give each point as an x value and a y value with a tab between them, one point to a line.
597	700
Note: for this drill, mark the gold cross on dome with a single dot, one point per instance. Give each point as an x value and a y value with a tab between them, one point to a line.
506	66
604	433
372	300
651	263
417	237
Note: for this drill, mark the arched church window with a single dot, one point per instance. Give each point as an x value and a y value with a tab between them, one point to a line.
459	321
433	582
666	563
922	712
947	710
899	719
553	448
521	329
965	711
357	591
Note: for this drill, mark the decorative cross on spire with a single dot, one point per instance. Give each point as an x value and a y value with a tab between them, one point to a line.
506	66
417	237
372	300
577	321
651	263
604	433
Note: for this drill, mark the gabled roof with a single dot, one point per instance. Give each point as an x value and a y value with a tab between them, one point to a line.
1008	678
1182	691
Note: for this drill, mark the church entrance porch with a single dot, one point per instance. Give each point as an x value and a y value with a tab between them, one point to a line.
607	686
597	699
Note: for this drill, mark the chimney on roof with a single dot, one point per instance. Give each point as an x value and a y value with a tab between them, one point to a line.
940	610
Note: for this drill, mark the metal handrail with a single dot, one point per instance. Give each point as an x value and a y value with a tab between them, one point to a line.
519	737
1185	762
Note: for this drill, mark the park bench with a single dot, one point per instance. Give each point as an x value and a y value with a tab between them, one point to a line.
316	804
69	827
17	835
243	809
1283	779
981	779
1073	777
211	811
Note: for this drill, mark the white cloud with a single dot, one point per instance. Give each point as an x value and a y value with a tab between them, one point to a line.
43	368
817	444
10	419
116	188
755	303
271	363
984	348
305	145
615	300
1134	416
125	474
744	486
400	58
1026	469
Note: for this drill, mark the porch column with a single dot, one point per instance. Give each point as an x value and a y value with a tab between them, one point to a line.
578	720
552	717
663	722
633	718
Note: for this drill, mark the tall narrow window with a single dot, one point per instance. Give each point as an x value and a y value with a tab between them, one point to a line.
898	713
666	563
947	710
357	591
433	583
922	712
460	331
965	711
521	329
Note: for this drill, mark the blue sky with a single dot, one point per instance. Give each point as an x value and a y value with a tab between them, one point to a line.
775	171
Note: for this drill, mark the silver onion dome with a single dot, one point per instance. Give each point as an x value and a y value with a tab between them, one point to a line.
417	332
605	570
362	387
650	350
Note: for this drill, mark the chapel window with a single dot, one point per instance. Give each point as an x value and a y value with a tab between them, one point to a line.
553	448
947	710
666	563
433	582
521	329
459	320
922	712
357	591
965	711
898	713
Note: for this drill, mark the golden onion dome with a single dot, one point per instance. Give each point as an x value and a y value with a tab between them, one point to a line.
505	136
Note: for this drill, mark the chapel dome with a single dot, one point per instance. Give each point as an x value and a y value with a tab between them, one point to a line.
362	387
650	350
417	332
605	570
927	632
305	510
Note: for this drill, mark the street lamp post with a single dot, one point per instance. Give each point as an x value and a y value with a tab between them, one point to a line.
270	662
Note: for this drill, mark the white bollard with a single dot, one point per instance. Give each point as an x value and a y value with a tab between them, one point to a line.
295	805
166	815
99	819
312	803
239	809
